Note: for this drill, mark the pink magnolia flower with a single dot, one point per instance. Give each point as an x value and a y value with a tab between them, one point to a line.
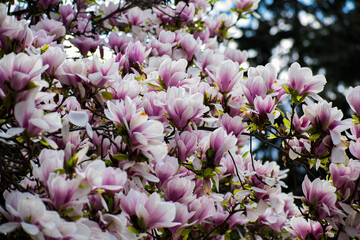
136	52
173	73
254	86
355	148
247	5
146	213
120	111
182	217
17	31
154	105
209	58
119	43
235	126
183	107
185	11
344	177
125	88
352	97
106	178
18	70
166	168
99	74
267	73
52	27
203	208
67	14
50	160
147	136
70	72
327	119
320	196
236	55
227	76
65	193
34	120
180	190
190	45
135	16
302	229
186	143
41	38
302	80
53	57
264	107
220	142
28	212
86	44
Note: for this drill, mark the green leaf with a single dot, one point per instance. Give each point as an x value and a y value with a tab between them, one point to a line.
287	123
314	136
208	172
68	211
60	171
120	157
107	95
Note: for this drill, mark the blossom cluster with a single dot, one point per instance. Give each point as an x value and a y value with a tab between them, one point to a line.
155	141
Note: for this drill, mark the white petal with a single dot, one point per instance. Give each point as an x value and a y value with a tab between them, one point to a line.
78	118
30	228
9	227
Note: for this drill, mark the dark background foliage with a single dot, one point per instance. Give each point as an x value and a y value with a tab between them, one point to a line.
329	44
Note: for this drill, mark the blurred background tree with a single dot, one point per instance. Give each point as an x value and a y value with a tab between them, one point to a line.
323	35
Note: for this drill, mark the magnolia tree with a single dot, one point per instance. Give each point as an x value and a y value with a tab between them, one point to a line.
146	130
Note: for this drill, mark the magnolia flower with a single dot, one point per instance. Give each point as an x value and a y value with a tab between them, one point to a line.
320	196
235	126
67	14
179	190
86	44
34	120
247	5
146	213
264	107
118	43
52	27
106	178
190	45
352	97
135	16
302	80
53	57
254	86
21	69
236	55
327	119
186	143
28	212
173	73
302	229
65	193
99	74
120	111
227	76
147	136
136	52
50	160
344	177
166	168
183	107
220	142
